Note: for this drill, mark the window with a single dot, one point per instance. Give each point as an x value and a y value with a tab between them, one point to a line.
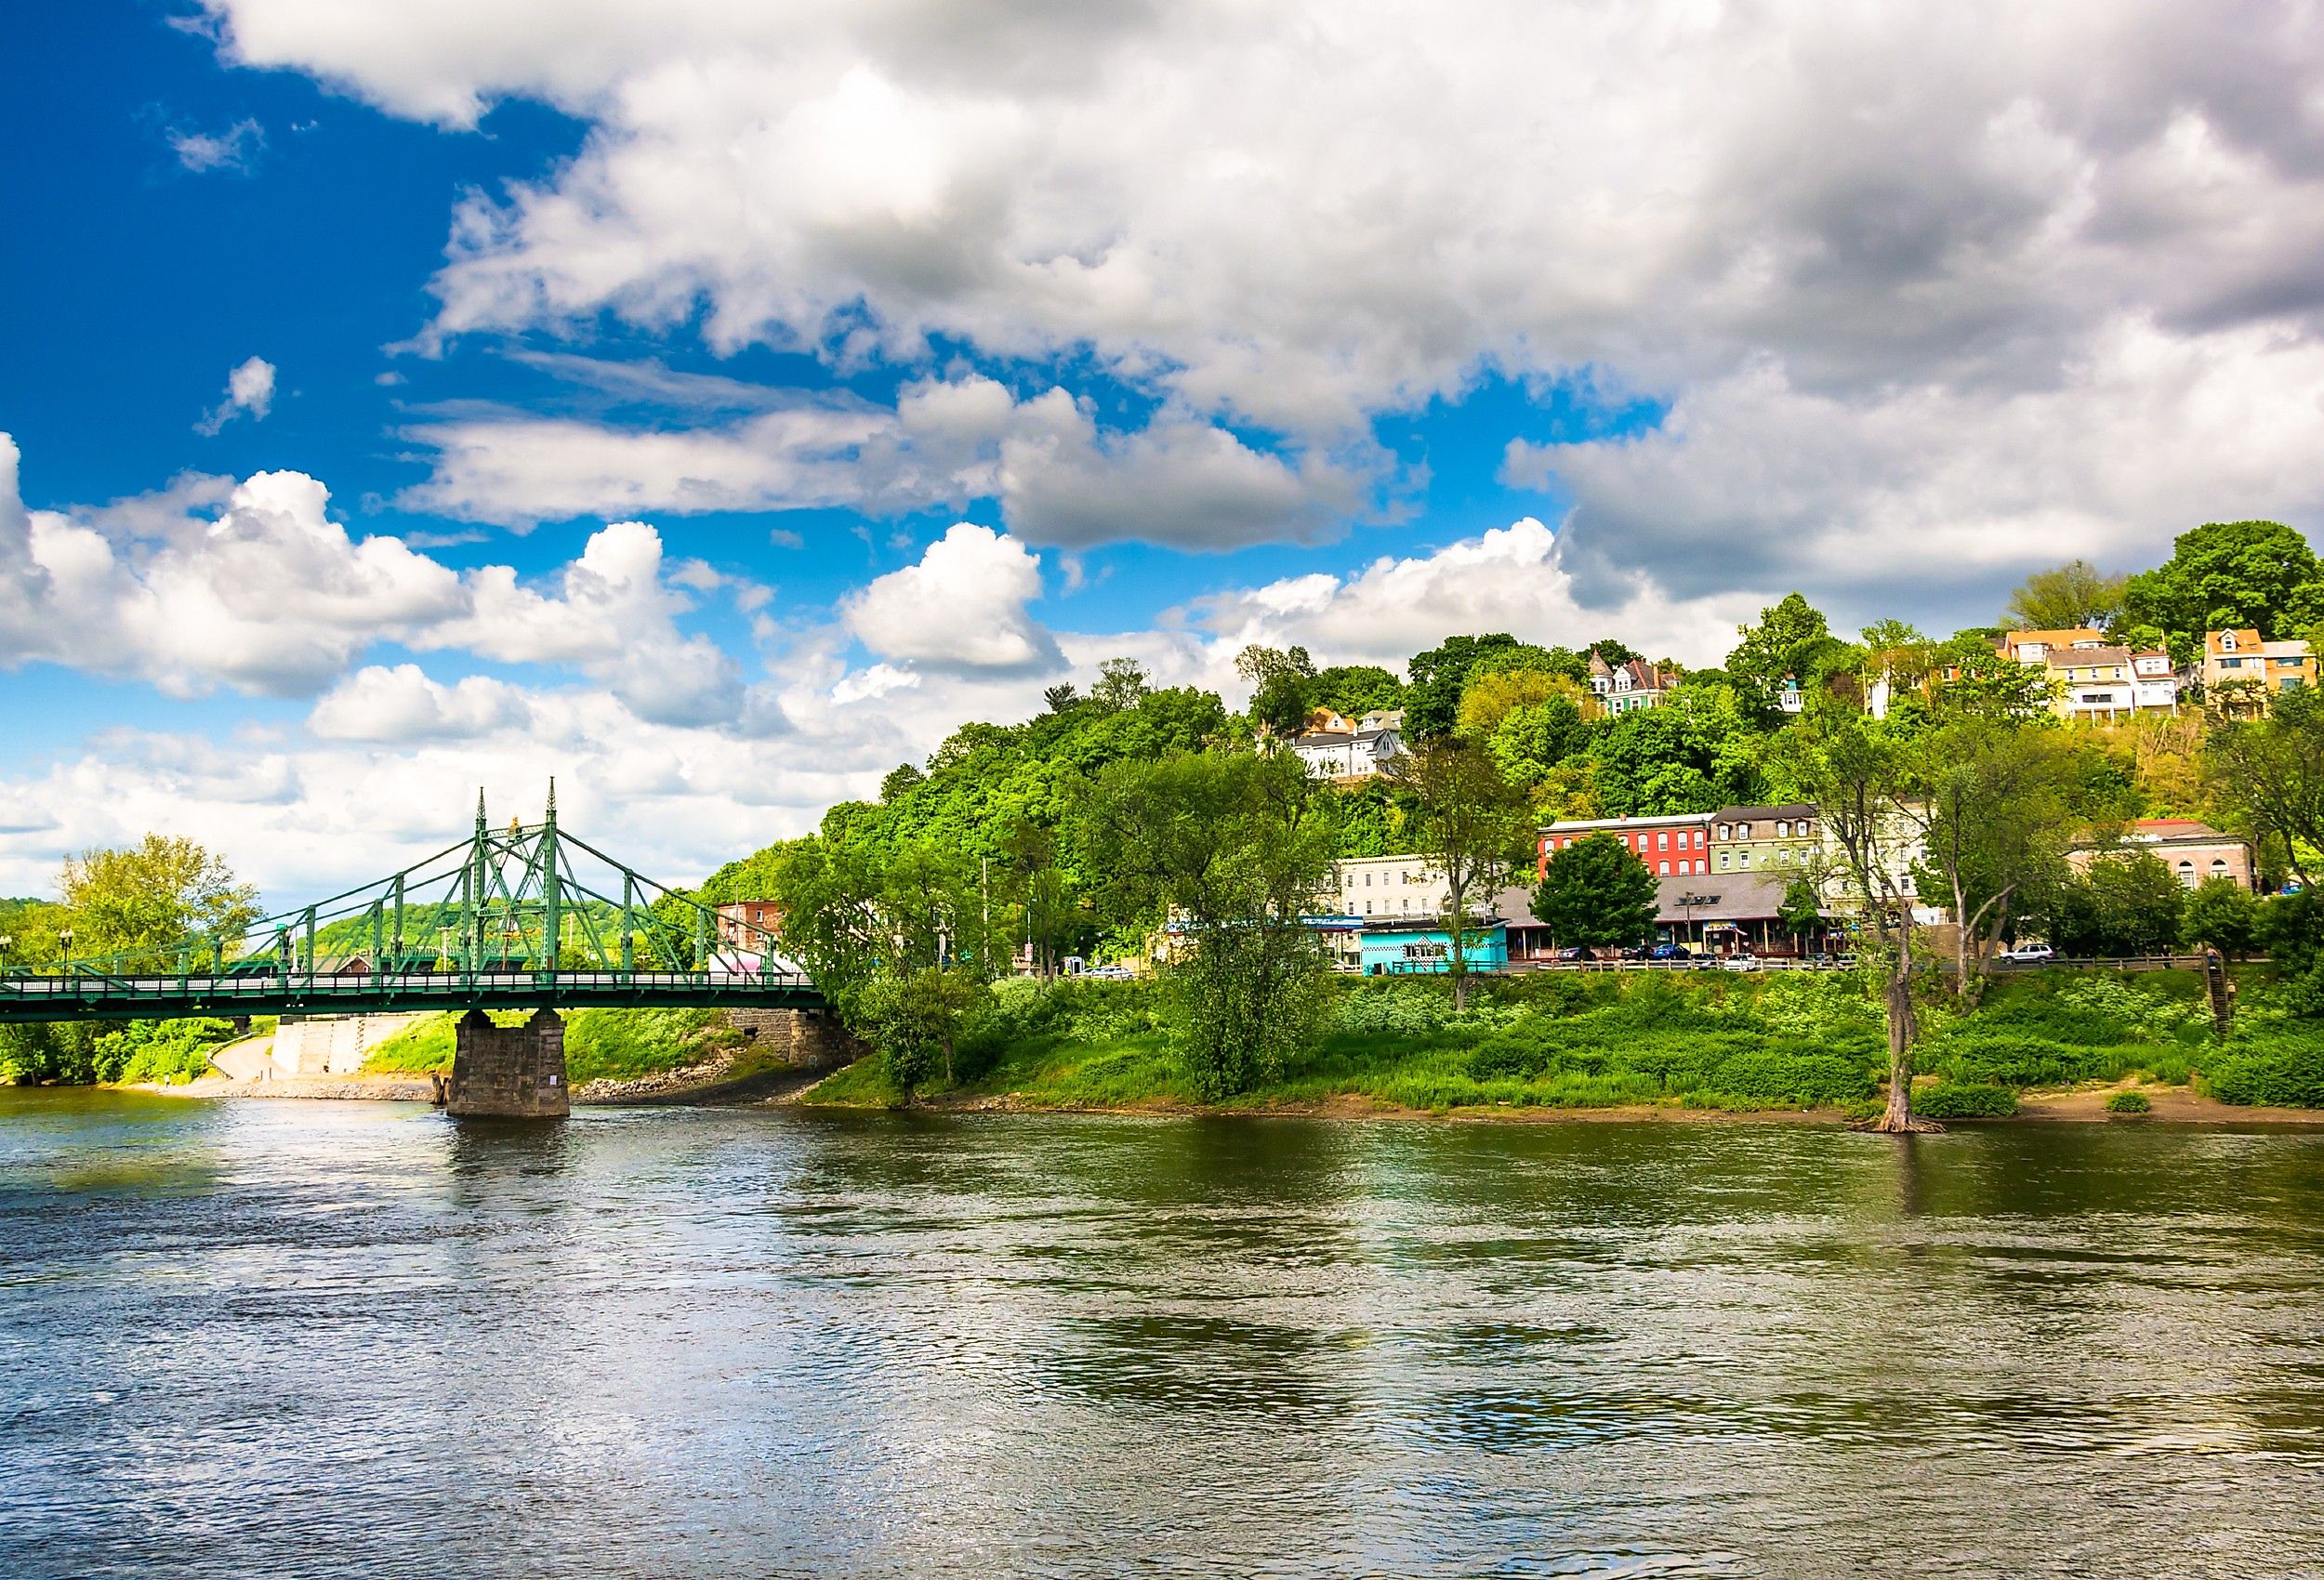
2187	874
1742	830
2226	641
2218	867
1723	861
1367	907
1666	869
1783	828
1744	860
1726	831
1367	880
1662	841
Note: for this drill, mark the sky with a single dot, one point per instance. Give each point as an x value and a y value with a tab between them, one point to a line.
713	403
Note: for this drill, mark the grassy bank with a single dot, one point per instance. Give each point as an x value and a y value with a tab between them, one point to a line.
1702	1041
600	1045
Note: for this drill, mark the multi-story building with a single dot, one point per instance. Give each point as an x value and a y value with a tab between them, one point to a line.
1671	846
1781	839
738	917
1335	747
2193	851
2093	679
1629	686
2241	672
1390	885
1391	919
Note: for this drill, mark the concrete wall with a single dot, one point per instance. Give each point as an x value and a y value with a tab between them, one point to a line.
806	1039
330	1045
509	1071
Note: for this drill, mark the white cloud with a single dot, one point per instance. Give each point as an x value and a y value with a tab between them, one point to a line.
236	148
962	606
402	704
1303	214
1925	500
1059	479
274	597
249	393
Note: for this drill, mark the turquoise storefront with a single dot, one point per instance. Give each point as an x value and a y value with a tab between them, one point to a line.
1397	949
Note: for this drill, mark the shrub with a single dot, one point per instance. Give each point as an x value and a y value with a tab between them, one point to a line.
2282	1071
1393	1010
1949	1100
2129	1103
1793	1074
2001	1058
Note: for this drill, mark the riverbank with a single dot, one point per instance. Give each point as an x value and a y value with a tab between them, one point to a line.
2048	1046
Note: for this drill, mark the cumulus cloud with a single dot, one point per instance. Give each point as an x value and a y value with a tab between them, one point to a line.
962	606
1059	477
401	703
1301	214
236	148
272	596
249	393
1926	499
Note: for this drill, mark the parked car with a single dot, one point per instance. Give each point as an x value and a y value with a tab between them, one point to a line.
1633	951
1742	960
1576	952
1110	973
1669	952
2028	955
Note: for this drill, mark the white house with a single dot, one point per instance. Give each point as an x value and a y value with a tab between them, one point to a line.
1341	748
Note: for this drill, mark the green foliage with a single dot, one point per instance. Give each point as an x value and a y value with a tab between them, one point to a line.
2074	594
1696	752
1355	690
2261	574
1432	701
917	1021
1596	892
1949	1100
2220	914
2282	1069
425	1046
2129	1103
2125	903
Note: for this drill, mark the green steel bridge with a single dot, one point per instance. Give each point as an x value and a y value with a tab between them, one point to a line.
526	917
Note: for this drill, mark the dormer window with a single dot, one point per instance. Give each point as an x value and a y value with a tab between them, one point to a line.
2226	641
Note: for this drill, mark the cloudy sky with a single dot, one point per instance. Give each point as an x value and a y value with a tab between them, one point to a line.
710	402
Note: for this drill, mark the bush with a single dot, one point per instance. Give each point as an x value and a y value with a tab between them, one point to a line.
2129	1103
2283	1071
1948	1099
1976	1058
1393	1010
1794	1074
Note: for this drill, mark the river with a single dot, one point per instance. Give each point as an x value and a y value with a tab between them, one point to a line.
291	1338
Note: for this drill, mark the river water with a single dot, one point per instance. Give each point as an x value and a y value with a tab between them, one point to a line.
290	1338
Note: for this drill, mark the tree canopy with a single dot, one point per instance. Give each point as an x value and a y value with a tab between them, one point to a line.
2255	574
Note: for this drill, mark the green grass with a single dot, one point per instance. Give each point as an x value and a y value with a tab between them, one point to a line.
1558	1040
615	1045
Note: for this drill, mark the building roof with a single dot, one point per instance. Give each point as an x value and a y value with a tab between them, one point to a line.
2060	636
1591	825
2247	639
1721	897
2074	658
1763	814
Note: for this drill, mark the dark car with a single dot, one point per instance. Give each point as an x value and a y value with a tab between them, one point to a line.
1576	952
1633	951
1669	952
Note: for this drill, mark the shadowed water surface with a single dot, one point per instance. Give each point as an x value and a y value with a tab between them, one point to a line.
322	1339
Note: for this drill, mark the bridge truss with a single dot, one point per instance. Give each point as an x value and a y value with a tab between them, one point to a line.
529	916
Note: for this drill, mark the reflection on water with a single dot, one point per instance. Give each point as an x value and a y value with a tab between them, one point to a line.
316	1338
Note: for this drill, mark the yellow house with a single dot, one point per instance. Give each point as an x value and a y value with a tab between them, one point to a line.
2240	672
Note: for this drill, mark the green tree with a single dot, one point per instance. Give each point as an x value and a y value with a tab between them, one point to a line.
135	903
1280	683
1791	641
915	1020
1432	704
1694	753
2223	914
2125	902
1355	690
1801	909
1532	739
1230	848
1121	684
1999	804
1597	893
1862	776
2074	594
2269	772
2259	574
1470	826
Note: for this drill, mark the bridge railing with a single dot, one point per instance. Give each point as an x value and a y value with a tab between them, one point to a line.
23	988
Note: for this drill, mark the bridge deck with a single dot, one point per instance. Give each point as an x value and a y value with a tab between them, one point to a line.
78	997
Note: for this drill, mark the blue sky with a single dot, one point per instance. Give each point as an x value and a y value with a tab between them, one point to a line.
1217	332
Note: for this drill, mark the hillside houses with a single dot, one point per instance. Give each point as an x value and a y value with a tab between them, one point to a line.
1334	746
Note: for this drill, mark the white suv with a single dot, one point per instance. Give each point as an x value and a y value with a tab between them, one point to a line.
2028	955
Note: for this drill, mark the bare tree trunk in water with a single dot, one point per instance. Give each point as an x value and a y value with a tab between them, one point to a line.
1903	1031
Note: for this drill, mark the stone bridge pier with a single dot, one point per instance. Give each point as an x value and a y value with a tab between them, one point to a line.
509	1071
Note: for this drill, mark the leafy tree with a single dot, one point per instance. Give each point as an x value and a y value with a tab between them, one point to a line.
1533	740
1432	704
1595	893
1231	848
1355	690
1694	753
2125	902
2223	914
1861	775
2270	771
1470	826
1801	909
1280	683
1790	640
2228	573
1121	684
136	902
1999	804
1491	697
2074	594
2291	928
1060	697
916	1019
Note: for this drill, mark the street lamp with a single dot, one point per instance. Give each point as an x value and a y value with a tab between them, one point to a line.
7	943
65	938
